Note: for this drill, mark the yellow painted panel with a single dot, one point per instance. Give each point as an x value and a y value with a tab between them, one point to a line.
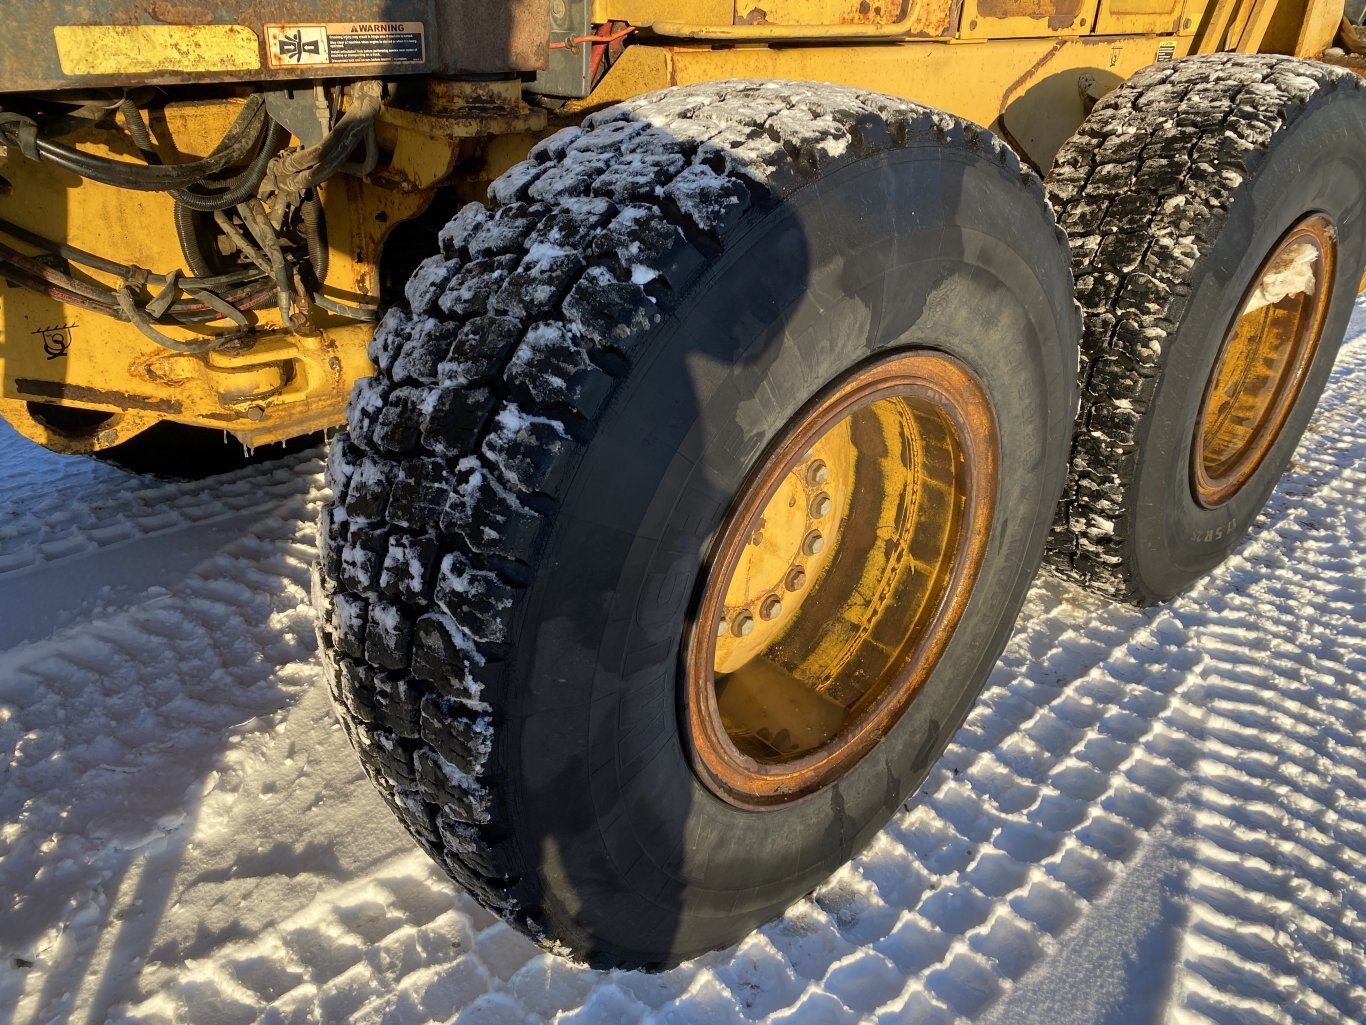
647	12
1320	24
817	12
139	49
1040	107
1138	17
1026	19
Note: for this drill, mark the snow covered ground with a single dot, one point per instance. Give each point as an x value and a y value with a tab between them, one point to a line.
1151	816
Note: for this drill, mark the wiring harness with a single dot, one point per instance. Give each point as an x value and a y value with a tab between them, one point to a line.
258	196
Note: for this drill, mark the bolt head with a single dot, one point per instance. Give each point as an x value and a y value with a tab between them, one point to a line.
818	472
814	543
742	625
796	579
772	607
821	505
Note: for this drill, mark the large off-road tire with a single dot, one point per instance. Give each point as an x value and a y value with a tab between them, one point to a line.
532	488
1184	186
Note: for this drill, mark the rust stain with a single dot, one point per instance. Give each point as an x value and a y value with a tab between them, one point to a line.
1058	13
179	14
1033	70
99	396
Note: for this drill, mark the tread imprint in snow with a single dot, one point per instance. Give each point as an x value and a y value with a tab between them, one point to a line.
488	385
1142	191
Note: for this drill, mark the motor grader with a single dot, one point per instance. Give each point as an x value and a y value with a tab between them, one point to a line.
707	383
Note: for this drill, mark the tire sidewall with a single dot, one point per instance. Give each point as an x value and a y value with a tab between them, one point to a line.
924	247
1175	539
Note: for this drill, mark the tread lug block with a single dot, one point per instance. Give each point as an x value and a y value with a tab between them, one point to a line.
539	283
367	496
474	596
638	176
398	701
363	557
455	236
364	409
553	148
427	284
423	352
479	351
484	890
574	177
506	231
487	516
712	203
470	844
639	237
396	427
577	227
528	452
461	734
452	418
390	335
419	494
465	798
332	534
410	568
551	368
514	184
444	655
470	293
420	819
396	760
342	457
388	636
351	614
357	691
610	313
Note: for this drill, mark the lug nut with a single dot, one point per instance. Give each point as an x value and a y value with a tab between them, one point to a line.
743	625
796	579
721	627
818	472
813	543
820	505
772	607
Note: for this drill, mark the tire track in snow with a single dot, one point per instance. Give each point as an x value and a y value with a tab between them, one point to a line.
1226	725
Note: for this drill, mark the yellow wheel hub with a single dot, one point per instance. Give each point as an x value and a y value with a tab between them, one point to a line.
1263	361
839	577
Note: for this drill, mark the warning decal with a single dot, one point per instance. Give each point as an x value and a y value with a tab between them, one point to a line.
376	42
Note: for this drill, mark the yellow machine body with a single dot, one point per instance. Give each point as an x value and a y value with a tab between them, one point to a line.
78	381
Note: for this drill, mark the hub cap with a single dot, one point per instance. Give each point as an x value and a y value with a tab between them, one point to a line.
1263	360
838	578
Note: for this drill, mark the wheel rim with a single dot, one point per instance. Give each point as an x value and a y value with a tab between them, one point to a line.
838	577
1263	360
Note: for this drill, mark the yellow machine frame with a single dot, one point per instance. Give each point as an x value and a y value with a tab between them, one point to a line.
1027	68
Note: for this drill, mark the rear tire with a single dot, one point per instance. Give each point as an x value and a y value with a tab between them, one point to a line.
1174	193
585	381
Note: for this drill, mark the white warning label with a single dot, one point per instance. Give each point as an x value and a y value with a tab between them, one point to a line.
373	42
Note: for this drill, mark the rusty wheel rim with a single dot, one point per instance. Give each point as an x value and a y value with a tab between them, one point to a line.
1263	360
838	578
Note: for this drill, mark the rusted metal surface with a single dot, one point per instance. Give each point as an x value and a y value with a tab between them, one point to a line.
818	12
826	606
1263	360
63	44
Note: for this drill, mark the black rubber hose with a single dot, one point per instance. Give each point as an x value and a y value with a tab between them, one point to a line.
241	187
315	235
137	129
190	248
241	138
